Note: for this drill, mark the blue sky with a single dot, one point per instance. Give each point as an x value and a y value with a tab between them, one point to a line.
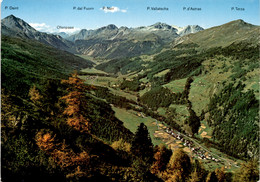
46	15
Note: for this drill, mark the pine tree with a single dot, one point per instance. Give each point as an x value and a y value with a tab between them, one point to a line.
142	146
51	95
193	121
187	88
199	170
212	177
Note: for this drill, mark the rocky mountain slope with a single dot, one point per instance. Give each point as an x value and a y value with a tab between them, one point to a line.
16	27
113	42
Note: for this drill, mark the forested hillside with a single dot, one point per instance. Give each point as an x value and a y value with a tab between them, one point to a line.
25	62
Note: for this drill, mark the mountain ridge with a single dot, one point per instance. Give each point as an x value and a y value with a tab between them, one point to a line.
16	27
222	35
116	42
154	28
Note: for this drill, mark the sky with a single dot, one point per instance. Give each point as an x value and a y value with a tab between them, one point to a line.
57	15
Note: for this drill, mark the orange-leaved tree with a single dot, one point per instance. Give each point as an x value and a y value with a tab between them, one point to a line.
34	95
63	156
162	157
45	141
76	100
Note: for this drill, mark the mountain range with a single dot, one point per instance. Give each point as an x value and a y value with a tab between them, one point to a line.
108	41
112	42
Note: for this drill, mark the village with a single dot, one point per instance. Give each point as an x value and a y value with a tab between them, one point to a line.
197	151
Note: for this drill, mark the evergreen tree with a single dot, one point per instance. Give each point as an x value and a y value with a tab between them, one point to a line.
51	95
187	88
142	146
212	177
193	121
199	172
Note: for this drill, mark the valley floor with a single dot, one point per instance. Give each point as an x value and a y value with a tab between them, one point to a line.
131	119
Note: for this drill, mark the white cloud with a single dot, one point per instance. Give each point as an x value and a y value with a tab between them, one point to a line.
43	27
112	9
40	27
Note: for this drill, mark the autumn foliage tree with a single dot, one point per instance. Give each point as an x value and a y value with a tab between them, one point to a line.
220	173
248	172
34	95
59	151
45	141
179	166
161	156
76	100
121	145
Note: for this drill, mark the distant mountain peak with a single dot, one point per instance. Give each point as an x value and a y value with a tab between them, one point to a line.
239	22
12	16
160	25
12	21
190	29
16	27
123	27
111	27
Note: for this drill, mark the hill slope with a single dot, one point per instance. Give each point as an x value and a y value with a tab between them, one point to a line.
223	35
25	62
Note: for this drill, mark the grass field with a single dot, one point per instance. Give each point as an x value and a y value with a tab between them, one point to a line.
182	113
93	70
132	121
123	94
176	85
253	81
96	61
106	82
142	92
204	130
161	111
100	80
162	73
206	85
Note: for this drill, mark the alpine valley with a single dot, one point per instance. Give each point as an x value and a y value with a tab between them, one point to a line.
152	103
